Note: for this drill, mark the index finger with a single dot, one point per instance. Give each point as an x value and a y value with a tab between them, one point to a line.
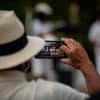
69	42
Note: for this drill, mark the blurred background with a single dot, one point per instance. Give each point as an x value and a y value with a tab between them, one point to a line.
53	19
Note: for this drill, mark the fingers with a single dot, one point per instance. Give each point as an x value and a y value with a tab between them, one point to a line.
65	61
69	46
77	55
71	43
65	49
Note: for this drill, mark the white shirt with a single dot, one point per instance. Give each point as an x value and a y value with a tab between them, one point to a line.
94	36
13	86
94	32
38	27
42	67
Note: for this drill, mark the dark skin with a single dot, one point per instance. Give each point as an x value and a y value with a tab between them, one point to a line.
20	67
23	67
78	58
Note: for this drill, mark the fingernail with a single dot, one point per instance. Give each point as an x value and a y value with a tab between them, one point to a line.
62	38
62	59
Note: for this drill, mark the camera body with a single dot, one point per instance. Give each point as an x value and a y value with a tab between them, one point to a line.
51	50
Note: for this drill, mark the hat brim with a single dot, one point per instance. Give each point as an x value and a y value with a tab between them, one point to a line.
34	45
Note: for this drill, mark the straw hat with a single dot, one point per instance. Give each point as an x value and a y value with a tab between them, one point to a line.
15	46
44	8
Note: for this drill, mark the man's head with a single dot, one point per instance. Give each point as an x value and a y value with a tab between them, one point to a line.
15	47
42	11
44	8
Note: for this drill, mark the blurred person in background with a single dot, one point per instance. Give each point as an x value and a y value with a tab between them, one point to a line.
94	37
71	24
78	80
70	27
42	27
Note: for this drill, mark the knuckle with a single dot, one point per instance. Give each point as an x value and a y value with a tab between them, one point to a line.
71	39
74	50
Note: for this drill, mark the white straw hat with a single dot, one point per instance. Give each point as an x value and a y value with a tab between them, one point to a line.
43	7
15	46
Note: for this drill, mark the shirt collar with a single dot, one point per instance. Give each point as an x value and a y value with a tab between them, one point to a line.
12	76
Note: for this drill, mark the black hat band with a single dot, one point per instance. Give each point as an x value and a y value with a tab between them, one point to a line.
14	46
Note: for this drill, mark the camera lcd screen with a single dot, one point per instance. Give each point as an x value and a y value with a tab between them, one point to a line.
51	50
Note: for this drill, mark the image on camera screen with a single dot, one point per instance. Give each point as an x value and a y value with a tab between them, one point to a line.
51	50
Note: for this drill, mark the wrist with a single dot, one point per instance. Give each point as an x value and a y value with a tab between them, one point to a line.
89	71
92	77
87	67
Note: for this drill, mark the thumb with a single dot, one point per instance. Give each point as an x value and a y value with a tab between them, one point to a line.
65	61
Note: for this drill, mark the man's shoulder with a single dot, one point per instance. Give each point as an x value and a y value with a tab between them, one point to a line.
54	90
44	90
